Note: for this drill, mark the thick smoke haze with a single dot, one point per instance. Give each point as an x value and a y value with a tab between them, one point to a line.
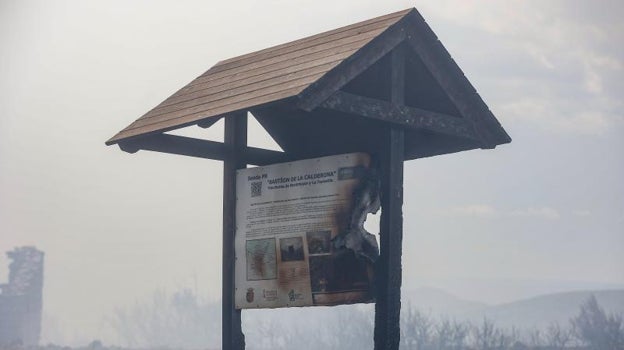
543	214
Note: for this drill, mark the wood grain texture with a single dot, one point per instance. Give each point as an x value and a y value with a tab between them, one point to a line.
264	73
322	49
407	117
147	127
350	30
306	73
258	78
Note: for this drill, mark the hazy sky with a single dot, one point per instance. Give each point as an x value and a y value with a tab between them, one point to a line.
542	214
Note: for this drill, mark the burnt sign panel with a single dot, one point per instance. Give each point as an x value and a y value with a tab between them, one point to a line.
299	239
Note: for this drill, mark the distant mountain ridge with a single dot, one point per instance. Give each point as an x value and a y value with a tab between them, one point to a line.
439	302
536	312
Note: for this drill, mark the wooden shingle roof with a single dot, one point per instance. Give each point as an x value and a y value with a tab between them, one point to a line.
258	78
331	93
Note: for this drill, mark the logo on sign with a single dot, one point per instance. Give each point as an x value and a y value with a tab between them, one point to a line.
250	295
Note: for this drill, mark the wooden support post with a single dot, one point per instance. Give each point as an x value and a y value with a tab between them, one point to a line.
235	141
388	267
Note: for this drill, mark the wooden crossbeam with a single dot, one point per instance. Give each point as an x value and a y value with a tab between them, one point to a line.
188	146
409	117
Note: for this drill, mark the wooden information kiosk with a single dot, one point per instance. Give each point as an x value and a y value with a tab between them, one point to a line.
386	87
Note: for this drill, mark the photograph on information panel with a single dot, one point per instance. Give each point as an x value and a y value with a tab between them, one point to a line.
300	237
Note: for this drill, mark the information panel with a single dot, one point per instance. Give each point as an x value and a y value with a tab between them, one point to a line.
287	216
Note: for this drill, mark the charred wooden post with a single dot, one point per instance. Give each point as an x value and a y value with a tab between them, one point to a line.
235	140
388	272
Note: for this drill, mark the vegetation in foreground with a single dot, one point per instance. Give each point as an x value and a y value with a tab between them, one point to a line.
182	322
